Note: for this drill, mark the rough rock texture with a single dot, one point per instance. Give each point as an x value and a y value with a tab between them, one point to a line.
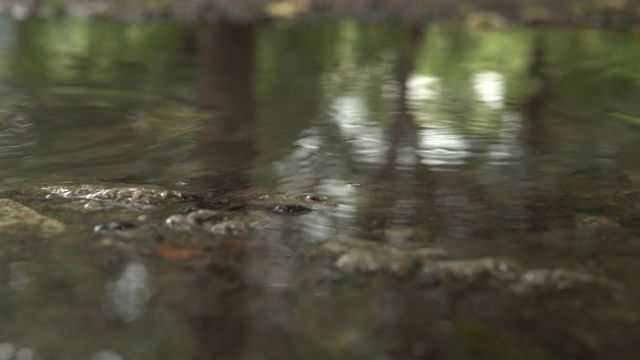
368	257
13	214
128	195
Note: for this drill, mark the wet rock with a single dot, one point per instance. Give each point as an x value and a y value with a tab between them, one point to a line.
375	262
113	226
128	195
540	281
501	270
290	209
13	214
216	222
227	227
196	219
368	257
287	203
312	198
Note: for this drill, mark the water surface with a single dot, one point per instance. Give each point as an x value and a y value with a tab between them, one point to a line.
518	144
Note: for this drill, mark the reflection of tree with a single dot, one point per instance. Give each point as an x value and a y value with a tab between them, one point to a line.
103	81
221	304
226	97
400	165
535	106
403	129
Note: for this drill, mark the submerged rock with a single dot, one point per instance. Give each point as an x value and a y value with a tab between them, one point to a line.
127	195
370	257
471	270
13	214
113	226
215	222
290	209
196	219
540	281
375	262
434	270
313	198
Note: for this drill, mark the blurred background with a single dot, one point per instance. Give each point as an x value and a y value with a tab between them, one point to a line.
503	134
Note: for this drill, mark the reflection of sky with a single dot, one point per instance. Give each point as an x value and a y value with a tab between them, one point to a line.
423	87
442	147
366	139
126	296
489	86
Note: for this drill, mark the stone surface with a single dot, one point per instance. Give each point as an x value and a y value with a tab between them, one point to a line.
371	257
538	281
126	195
471	270
216	222
14	214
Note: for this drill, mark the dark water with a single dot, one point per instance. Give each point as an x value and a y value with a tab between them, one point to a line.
519	144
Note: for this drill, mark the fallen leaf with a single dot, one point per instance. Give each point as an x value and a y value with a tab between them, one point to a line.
174	253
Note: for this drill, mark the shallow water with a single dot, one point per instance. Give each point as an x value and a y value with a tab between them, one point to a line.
517	144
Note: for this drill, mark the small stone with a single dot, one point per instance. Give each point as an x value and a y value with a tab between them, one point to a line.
112	227
471	270
201	216
291	209
313	198
177	222
228	227
372	257
539	281
375	262
214	222
15	214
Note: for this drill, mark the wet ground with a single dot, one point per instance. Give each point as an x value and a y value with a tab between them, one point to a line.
328	190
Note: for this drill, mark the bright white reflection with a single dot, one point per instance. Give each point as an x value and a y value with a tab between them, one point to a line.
125	297
489	86
422	87
6	351
439	147
350	113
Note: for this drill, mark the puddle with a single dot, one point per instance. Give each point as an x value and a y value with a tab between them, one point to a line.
327	190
